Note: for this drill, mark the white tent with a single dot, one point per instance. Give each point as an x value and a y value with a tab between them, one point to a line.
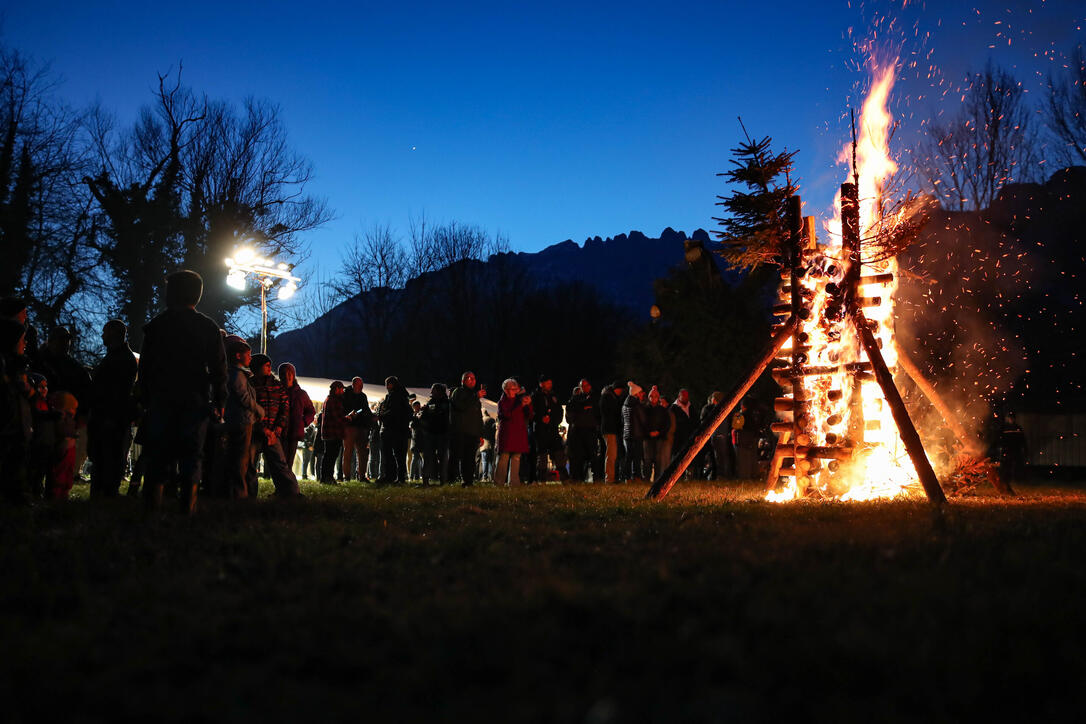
317	389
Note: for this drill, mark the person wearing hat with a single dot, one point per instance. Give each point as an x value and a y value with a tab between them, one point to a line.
268	432
333	419
633	432
182	380
547	417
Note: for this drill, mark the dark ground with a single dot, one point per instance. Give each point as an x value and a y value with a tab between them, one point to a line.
579	604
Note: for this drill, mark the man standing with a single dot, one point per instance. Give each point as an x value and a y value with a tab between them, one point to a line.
684	423
633	432
548	416
182	379
611	425
583	416
465	426
112	410
356	435
394	414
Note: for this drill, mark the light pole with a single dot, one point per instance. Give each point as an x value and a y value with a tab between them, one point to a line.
267	272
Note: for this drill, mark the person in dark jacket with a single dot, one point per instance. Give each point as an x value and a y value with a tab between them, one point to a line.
268	432
181	380
394	413
301	413
112	410
466	425
356	433
583	416
720	456
657	423
684	421
1012	450
242	412
333	419
16	414
514	413
744	430
546	419
611	400
434	420
633	432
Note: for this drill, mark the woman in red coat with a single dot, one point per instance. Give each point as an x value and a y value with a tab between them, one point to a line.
514	412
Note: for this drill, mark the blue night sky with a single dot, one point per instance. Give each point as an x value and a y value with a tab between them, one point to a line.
542	121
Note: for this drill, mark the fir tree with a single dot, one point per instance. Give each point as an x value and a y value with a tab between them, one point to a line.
755	231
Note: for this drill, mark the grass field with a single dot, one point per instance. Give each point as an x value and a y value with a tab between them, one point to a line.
578	604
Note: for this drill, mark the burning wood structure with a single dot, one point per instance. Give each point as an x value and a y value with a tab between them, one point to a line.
844	431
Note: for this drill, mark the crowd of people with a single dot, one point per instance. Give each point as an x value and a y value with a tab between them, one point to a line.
199	414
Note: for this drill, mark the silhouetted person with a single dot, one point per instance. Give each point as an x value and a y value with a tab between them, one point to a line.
583	416
434	423
356	433
611	400
242	412
1012	450
182	382
633	432
546	419
333	421
112	410
394	414
466	425
684	420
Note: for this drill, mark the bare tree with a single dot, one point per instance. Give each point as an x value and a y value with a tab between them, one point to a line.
44	220
965	162
243	184
1066	118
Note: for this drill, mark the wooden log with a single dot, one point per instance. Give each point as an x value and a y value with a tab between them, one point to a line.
876	279
681	461
909	436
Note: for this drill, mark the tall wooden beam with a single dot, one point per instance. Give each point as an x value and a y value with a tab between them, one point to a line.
905	426
970	445
680	462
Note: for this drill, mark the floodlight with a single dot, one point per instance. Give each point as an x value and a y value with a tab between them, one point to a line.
287	290
236	279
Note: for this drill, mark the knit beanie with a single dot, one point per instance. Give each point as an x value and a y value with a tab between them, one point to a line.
635	389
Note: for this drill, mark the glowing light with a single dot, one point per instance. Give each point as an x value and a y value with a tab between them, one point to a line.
879	467
236	279
287	290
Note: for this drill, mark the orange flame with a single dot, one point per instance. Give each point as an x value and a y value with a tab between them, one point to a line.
880	467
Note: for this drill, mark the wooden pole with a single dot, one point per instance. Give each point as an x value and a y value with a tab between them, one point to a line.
970	445
905	426
679	463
